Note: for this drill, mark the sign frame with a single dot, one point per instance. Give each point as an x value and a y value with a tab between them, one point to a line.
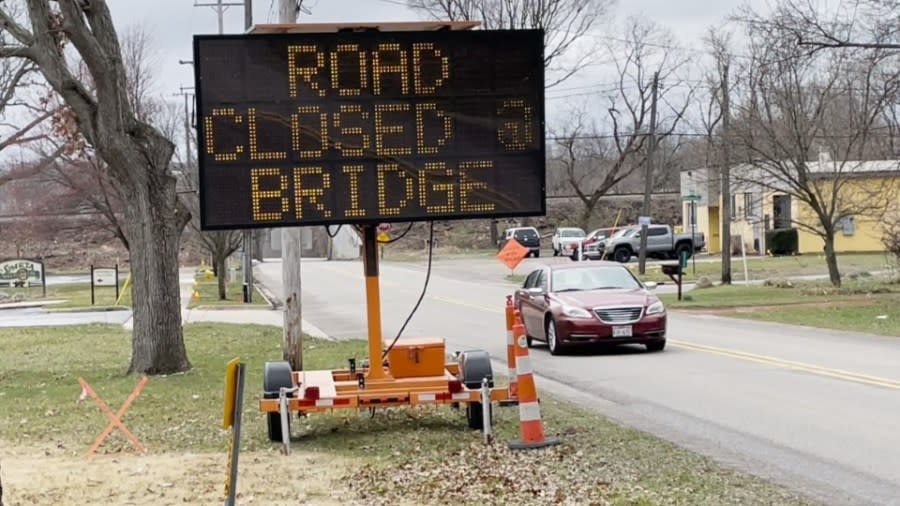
11	282
538	151
94	284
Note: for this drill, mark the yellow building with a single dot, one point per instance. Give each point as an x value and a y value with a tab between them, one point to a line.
756	208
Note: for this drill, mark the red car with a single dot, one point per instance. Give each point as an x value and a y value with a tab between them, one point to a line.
603	302
596	236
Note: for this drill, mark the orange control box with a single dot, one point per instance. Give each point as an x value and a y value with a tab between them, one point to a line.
411	358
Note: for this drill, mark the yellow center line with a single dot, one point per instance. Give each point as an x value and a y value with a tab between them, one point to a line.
789	364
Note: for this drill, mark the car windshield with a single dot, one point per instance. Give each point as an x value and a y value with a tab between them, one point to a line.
593	278
571	232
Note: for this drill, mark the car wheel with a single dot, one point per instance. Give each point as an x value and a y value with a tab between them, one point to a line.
553	343
529	341
681	250
622	255
656	345
537	254
555	252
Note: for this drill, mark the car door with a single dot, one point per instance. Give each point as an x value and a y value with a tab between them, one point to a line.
530	305
658	239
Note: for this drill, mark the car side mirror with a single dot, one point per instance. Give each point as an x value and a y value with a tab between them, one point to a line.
650	285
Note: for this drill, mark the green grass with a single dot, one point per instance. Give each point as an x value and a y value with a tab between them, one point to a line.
420	456
856	306
777	267
209	294
176	413
799	293
882	317
78	295
742	296
516	279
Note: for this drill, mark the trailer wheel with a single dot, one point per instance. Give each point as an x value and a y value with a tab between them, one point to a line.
275	376
475	416
474	366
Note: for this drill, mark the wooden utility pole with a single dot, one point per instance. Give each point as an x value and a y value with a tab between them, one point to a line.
648	177
292	340
725	215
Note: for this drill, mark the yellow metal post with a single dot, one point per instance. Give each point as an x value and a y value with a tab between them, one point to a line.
373	302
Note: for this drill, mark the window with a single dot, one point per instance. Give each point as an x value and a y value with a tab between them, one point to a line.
748	205
531	280
733	206
848	227
594	278
656	231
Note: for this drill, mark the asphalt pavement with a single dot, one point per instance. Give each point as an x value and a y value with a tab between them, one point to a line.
815	410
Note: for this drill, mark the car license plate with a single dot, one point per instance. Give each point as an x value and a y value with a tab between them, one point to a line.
621	331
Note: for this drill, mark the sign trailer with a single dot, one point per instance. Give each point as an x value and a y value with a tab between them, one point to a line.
326	124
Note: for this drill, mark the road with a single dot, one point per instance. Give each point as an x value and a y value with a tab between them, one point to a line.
814	410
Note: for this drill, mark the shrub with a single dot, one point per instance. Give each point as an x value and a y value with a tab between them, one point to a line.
783	241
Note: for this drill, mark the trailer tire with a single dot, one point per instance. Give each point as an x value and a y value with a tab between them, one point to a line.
475	416
275	376
474	366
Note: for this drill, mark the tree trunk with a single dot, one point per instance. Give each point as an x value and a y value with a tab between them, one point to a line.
154	223
585	221
495	235
221	277
831	259
1	487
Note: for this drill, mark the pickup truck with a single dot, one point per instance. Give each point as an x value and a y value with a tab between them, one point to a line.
661	243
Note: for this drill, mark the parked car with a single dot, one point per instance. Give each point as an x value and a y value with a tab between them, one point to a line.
564	237
591	245
569	304
661	243
526	236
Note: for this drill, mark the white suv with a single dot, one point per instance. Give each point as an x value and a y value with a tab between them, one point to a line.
564	237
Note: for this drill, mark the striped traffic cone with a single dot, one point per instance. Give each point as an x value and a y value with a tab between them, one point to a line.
511	354
530	423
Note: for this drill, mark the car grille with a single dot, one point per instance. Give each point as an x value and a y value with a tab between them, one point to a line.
619	314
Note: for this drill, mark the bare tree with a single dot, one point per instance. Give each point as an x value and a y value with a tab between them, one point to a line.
861	24
795	106
24	109
565	24
137	155
593	163
891	237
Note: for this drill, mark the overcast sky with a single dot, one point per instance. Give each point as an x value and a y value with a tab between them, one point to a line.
173	22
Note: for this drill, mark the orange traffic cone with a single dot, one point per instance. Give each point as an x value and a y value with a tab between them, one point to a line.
511	354
530	423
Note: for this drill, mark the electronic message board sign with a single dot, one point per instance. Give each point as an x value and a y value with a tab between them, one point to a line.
368	126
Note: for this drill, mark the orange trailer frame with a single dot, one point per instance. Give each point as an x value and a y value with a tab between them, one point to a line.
378	387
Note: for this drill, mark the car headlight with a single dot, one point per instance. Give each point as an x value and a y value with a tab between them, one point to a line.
656	308
575	312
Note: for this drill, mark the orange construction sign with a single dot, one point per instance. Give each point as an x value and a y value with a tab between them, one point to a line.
512	253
